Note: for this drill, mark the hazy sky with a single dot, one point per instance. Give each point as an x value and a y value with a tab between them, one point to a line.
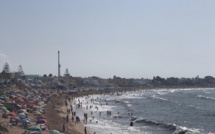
126	38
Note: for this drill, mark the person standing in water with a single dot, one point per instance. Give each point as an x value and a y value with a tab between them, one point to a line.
131	124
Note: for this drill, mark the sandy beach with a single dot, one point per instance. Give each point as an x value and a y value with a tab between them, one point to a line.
56	117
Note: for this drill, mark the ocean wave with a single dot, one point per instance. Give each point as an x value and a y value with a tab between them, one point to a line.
158	98
125	103
116	116
160	124
133	118
205	97
170	126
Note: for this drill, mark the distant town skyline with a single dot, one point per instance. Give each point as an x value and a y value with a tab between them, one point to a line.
129	39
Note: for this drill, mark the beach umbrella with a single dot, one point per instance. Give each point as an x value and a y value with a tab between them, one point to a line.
13	99
4	97
22	110
15	117
18	105
24	107
34	128
26	120
36	112
20	101
34	107
7	100
11	114
13	96
6	111
4	108
35	132
53	131
21	114
42	117
19	95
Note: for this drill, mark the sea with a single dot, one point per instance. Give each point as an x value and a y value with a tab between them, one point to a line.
158	111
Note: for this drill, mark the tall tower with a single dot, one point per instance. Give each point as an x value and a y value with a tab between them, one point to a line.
58	64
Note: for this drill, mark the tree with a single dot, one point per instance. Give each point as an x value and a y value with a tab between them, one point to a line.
66	73
20	70
6	68
44	75
50	75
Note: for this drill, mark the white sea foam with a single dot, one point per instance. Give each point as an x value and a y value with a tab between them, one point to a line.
205	97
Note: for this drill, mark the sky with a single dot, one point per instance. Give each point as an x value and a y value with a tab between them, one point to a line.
126	38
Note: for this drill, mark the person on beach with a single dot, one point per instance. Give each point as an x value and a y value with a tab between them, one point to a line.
67	118
85	130
85	116
72	119
63	127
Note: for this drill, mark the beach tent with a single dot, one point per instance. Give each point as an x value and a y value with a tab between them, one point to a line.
34	128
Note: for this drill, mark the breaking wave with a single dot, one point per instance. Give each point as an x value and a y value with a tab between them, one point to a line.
170	126
125	103
205	97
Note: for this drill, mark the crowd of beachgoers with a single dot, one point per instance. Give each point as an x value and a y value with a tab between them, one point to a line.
41	111
26	112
